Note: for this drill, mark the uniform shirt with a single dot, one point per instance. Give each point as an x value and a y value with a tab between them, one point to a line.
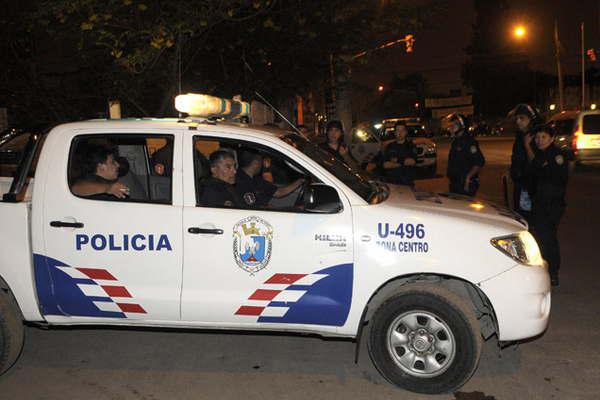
398	151
218	193
335	152
520	168
550	169
255	191
100	196
464	155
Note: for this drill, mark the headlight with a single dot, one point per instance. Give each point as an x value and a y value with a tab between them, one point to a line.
430	149
521	247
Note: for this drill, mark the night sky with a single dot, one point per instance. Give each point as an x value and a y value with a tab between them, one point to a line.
439	49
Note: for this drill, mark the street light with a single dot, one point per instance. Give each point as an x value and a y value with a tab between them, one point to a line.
520	32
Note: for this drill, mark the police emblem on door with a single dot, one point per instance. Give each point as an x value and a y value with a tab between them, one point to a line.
252	244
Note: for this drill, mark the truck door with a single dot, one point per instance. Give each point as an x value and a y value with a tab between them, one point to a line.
105	257
268	264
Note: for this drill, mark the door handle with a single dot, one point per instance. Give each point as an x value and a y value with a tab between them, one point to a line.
62	224
198	231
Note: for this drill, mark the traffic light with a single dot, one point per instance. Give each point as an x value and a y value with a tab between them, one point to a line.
409	40
591	54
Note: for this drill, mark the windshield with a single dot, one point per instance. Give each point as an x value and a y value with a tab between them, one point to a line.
355	179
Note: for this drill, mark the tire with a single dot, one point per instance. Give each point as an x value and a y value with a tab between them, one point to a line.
425	339
11	331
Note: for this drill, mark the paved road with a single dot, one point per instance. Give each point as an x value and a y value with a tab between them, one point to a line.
133	364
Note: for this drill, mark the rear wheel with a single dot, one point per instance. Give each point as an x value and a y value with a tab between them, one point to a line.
425	339
11	331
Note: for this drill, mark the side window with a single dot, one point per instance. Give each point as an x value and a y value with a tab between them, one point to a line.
115	167
239	174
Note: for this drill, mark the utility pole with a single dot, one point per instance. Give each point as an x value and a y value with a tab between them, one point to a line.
582	66
561	101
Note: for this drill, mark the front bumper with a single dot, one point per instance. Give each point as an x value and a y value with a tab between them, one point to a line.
521	300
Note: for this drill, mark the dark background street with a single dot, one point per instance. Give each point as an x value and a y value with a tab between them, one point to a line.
564	363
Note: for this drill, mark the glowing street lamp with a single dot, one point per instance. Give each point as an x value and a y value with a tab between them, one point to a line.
520	32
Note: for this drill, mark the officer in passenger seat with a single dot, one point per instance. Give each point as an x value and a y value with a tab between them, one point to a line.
252	186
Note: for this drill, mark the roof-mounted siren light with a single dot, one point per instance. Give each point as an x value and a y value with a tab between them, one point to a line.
203	105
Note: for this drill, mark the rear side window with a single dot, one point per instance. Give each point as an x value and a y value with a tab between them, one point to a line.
591	124
134	168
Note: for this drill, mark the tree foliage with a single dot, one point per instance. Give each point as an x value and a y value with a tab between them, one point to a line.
70	56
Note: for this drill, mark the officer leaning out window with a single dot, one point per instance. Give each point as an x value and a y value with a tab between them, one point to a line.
549	166
465	159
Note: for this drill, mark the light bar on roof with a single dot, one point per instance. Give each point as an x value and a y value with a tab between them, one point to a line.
203	105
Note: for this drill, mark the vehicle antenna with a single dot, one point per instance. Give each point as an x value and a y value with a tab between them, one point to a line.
260	96
280	114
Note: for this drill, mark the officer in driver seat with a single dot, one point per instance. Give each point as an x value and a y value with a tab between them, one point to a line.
251	185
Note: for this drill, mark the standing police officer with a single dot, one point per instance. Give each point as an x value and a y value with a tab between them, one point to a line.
397	159
465	159
526	118
549	167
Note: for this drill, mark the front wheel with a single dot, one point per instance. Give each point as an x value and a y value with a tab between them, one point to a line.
425	339
11	331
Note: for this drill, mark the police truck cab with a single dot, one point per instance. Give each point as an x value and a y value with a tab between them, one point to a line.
341	256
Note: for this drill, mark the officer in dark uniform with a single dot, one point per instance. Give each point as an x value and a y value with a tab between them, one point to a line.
465	159
218	190
251	185
526	118
397	159
101	176
549	167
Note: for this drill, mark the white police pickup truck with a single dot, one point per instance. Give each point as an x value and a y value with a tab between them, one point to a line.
426	277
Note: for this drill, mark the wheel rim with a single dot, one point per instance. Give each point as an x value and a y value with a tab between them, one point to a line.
421	344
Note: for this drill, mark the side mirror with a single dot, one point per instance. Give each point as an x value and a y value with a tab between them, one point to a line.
320	198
